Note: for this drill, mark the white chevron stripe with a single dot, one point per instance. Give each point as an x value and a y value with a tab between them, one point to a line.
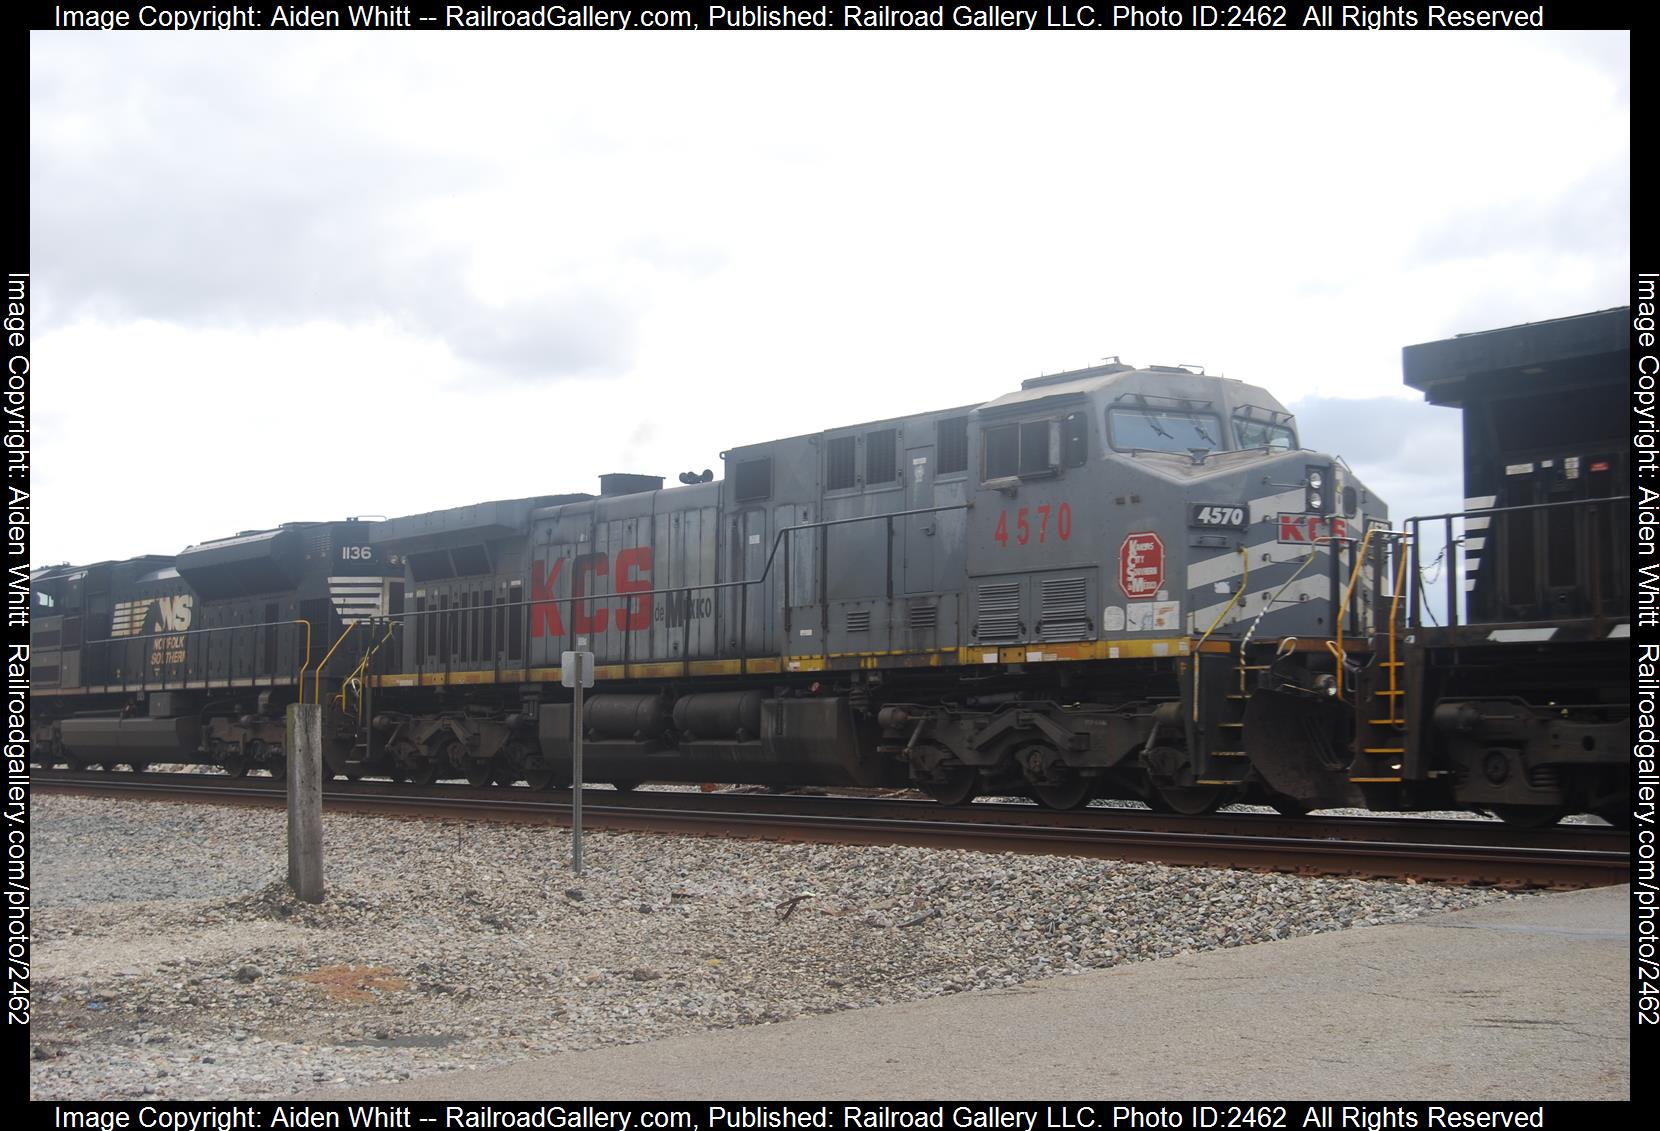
1262	555
1250	606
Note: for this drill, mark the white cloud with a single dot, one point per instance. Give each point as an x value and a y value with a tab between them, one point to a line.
483	266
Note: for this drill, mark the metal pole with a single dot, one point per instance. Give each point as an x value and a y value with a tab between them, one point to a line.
1413	583
1452	572
576	771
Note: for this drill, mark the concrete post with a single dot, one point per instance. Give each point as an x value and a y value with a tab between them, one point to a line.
305	801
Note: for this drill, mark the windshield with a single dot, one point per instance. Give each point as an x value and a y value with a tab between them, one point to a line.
1261	434
1163	430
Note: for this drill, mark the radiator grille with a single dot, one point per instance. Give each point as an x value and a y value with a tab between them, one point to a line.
858	620
924	617
999	612
1064	611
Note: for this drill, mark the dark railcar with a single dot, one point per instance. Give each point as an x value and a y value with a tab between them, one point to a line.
1512	686
193	658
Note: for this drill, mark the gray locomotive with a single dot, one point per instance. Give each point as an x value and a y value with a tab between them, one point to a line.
1094	586
1111	583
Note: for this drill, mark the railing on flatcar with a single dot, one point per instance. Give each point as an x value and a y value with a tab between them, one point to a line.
1533	563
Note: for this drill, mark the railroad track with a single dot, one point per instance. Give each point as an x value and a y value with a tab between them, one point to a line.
1474	852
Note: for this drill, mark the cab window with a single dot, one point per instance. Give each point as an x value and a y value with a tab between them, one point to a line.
1261	434
1162	430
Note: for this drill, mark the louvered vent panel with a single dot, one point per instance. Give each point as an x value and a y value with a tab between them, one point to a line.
317	543
999	612
924	617
858	620
1065	609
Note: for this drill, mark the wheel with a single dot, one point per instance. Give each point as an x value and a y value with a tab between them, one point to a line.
1072	791
952	785
1529	816
1050	780
138	767
1171	773
278	769
539	775
234	764
625	786
1288	806
439	758
479	774
108	767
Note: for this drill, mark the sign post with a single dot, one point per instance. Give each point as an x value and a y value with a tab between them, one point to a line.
576	671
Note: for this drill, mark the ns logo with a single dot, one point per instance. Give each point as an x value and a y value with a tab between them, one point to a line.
153	615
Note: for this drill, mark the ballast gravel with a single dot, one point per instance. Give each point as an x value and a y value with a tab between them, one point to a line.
171	962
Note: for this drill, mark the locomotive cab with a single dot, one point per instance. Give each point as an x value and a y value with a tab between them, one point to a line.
1168	523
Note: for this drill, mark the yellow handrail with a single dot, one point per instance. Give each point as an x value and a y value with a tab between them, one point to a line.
317	678
1336	649
1396	710
363	664
1244	581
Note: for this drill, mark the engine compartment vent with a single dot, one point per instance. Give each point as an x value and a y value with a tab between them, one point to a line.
1063	608
999	612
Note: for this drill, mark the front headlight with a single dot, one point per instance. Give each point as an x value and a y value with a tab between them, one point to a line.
1316	499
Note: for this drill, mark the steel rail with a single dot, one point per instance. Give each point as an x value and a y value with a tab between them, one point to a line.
917	808
1578	858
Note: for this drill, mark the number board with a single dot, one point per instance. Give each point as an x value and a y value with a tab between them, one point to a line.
1219	516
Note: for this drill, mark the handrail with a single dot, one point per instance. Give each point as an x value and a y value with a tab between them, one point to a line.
1485	511
1396	712
1268	607
1411	527
1336	647
363	664
629	597
1244	580
1198	664
135	639
317	678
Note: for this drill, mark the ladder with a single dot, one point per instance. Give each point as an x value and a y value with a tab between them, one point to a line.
355	687
1381	703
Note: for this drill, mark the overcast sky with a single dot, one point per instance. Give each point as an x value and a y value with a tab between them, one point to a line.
303	276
